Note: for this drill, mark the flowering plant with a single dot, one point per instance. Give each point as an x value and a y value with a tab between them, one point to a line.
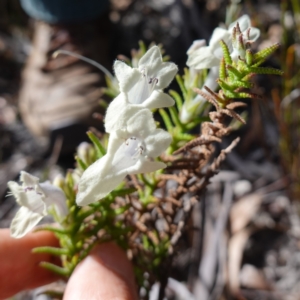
137	184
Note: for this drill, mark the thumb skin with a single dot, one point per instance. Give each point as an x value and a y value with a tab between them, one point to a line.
105	274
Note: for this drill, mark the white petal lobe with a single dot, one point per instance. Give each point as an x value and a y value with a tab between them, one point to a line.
23	222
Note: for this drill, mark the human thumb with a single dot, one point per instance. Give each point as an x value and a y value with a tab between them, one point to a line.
105	274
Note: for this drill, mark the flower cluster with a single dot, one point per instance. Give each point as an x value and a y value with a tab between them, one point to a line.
133	145
200	56
206	57
134	140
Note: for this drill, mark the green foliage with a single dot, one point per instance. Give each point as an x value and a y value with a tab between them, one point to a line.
235	76
226	53
100	150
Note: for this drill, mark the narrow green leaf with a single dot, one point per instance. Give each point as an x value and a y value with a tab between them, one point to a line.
84	214
142	47
51	250
237	84
226	53
110	93
230	94
222	71
262	55
53	294
248	77
53	229
81	163
145	180
263	70
236	73
166	118
123	192
100	150
69	179
177	99
233	95
181	85
249	57
224	85
55	269
185	136
195	122
175	117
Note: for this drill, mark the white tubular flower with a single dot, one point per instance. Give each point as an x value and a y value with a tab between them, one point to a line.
34	198
192	109
132	152
209	56
247	34
197	44
140	87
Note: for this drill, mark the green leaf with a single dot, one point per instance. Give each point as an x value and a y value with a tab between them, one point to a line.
55	269
51	250
261	56
181	85
235	72
222	71
224	85
249	57
166	118
175	117
196	121
100	150
185	137
226	53
263	70
53	229
123	192
110	93
53	294
81	163
177	98
142	47
234	84
233	95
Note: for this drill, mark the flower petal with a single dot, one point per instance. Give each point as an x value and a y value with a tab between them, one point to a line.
202	58
218	35
158	99
15	189
157	142
126	75
141	124
23	222
195	46
27	179
55	196
244	23
254	33
139	90
154	66
29	197
118	112
151	57
164	72
94	186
